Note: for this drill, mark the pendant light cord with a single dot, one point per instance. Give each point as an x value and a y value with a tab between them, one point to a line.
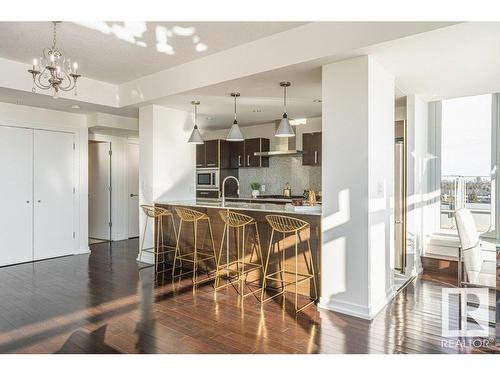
195	116
235	108
284	98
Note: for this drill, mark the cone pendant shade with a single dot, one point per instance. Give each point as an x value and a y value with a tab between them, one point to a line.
234	134
195	137
285	129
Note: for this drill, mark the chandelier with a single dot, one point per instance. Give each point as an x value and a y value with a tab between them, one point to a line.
54	71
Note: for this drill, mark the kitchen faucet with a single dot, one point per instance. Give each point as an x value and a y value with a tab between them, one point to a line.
224	188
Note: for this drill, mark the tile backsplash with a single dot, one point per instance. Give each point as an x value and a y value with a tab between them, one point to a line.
282	169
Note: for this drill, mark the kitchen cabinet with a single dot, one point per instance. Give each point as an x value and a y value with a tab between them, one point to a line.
200	156
311	147
253	145
207	194
213	154
237	154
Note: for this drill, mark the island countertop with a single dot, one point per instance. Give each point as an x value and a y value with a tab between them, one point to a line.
263	207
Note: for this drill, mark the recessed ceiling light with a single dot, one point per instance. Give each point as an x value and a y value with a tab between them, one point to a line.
317	101
75	106
209	118
257	110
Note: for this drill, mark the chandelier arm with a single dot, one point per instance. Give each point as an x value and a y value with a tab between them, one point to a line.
66	77
39	84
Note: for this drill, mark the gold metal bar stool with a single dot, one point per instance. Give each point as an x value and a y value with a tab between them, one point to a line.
237	270
158	249
287	225
195	257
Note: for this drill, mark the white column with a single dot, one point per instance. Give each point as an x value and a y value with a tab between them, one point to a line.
358	187
166	161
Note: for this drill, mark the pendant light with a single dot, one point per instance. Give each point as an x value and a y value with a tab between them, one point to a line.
284	129
234	134
195	137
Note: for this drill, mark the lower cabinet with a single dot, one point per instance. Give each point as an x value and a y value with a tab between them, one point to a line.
36	195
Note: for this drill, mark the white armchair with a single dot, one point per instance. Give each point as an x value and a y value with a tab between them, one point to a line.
479	272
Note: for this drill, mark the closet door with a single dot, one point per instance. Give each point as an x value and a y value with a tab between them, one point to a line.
16	195
53	194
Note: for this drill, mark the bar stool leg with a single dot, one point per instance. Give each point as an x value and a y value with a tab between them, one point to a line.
266	266
312	268
217	277
195	258
177	248
296	270
213	245
143	238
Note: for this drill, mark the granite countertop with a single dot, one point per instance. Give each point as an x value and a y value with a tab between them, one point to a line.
267	207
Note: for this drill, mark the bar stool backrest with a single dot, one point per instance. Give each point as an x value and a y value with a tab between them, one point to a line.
187	214
154	211
234	219
286	224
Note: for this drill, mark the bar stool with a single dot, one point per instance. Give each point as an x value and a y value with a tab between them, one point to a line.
157	214
239	268
286	225
195	257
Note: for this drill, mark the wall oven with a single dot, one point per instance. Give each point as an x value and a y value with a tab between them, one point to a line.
207	179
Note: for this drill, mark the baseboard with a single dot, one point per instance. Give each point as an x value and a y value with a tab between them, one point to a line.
85	250
146	258
347	308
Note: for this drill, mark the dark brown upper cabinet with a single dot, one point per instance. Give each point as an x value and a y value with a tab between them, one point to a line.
311	147
237	154
213	154
253	145
200	156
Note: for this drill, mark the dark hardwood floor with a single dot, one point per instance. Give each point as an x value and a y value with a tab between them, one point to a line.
102	303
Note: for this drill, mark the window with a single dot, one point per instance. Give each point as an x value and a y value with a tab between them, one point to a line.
466	160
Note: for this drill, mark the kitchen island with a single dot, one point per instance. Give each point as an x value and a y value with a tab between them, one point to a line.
258	212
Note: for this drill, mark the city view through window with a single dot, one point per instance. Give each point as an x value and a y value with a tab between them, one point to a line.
466	160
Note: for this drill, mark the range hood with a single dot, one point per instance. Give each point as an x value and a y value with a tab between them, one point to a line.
282	146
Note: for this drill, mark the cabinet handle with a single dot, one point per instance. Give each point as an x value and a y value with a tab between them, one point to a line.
248	160
210	164
199	165
239	160
203	192
27	201
315	157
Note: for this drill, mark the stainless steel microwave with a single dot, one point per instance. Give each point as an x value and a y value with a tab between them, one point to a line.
207	179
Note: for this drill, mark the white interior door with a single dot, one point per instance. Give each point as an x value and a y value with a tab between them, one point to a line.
53	194
16	195
99	190
133	189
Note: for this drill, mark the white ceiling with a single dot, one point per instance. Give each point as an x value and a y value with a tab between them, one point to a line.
261	98
450	62
118	52
461	60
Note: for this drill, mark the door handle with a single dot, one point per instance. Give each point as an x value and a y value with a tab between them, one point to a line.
398	222
248	160
239	160
315	157
134	195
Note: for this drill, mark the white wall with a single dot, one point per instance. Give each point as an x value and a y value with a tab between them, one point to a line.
167	160
358	147
39	118
419	217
